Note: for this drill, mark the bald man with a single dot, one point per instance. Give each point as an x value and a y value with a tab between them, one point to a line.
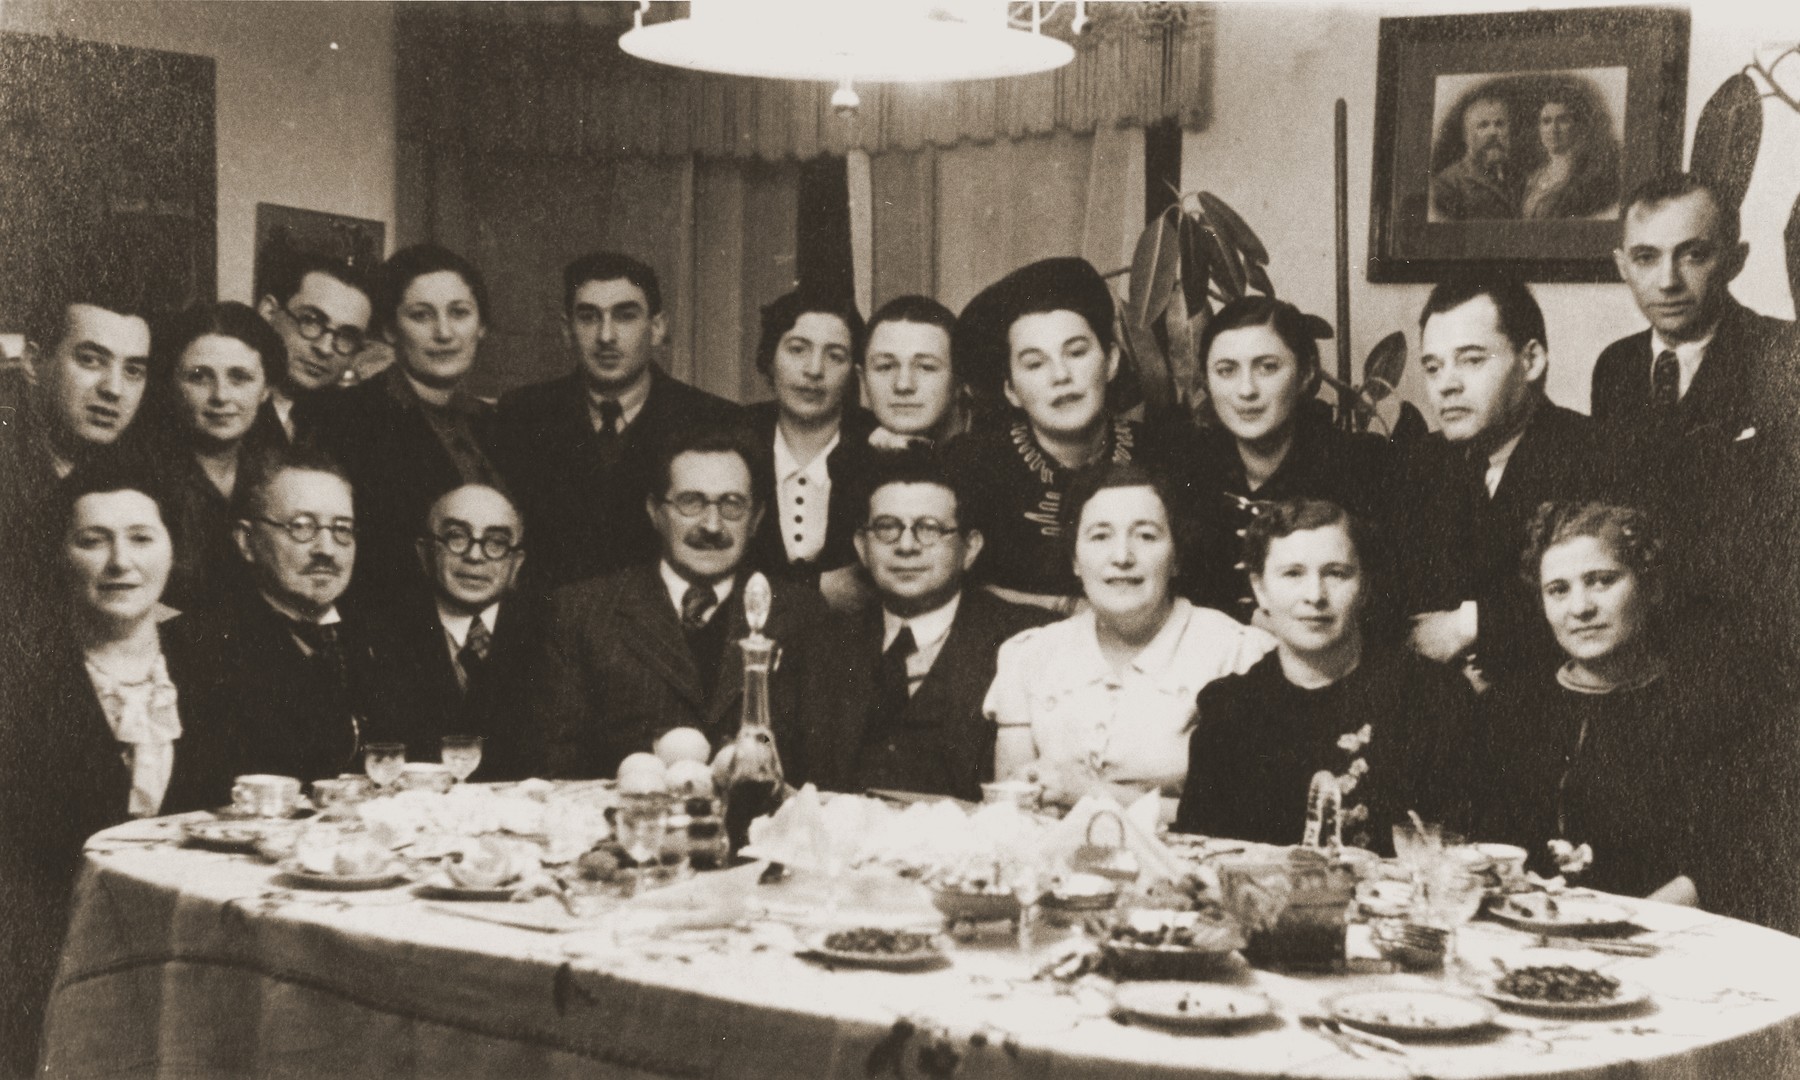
461	669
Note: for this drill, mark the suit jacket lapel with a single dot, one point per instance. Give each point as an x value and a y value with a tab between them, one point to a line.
1721	375
729	687
659	642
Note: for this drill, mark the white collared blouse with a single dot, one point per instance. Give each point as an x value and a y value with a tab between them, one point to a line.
1127	728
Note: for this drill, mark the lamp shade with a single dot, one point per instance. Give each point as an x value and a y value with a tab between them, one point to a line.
838	40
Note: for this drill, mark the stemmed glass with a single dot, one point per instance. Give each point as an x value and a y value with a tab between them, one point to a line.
461	754
1028	886
642	821
1453	896
384	762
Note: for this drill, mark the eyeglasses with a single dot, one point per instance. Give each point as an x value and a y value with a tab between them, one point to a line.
691	504
495	545
927	531
305	528
313	325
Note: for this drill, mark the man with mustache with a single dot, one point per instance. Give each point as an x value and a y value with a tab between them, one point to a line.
461	658
1503	449
652	647
1482	183
87	363
291	676
578	451
321	309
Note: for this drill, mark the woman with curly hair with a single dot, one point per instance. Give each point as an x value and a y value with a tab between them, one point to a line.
1608	749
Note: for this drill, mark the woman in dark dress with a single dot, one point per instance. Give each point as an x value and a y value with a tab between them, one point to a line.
412	432
1610	749
814	443
1392	728
1273	440
220	361
94	737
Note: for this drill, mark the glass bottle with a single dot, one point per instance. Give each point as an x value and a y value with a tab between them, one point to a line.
750	780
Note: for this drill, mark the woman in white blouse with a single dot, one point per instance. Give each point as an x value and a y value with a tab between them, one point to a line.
1102	702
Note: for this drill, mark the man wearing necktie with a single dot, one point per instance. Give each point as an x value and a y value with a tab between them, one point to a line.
1503	449
906	702
632	654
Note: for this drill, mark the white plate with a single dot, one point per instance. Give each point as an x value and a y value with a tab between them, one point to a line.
1186	1004
299	875
1414	1014
237	835
1628	995
932	957
1572	914
442	888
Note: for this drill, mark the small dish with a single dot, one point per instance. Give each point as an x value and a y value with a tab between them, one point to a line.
1542	913
393	874
1200	1006
239	835
927	951
442	888
1623	995
1411	1014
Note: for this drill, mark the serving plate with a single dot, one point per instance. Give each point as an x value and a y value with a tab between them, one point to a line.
224	835
1568	915
1201	1006
442	888
393	874
1628	995
1411	1014
933	956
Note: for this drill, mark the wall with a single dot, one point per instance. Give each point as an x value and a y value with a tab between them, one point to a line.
305	110
1268	153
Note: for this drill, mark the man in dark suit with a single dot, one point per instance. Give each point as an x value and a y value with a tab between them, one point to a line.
280	665
460	661
1503	449
649	648
321	309
578	452
912	670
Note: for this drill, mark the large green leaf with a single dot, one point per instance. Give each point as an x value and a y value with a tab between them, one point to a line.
1385	365
1195	268
1153	270
1155	382
1727	137
1791	238
1237	231
1178	331
1258	278
1227	265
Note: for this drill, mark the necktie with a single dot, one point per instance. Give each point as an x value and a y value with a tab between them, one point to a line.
695	603
611	412
1665	382
327	648
894	679
474	652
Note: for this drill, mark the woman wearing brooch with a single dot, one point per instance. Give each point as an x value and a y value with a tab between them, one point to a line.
1042	338
1621	746
1101	702
1393	729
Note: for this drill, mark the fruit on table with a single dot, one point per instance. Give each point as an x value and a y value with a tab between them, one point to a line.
643	774
683	744
689	777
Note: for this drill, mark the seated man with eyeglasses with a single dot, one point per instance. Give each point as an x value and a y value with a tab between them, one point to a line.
910	674
650	647
321	309
462	657
277	664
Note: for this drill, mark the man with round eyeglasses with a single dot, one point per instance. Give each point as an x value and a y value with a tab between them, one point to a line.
321	309
651	647
905	708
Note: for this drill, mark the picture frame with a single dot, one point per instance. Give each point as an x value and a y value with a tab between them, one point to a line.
1505	141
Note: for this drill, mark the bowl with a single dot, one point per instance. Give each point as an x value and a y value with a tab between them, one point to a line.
426	776
960	905
1082	892
1203	949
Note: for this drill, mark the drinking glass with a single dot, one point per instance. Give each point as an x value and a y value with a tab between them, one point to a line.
1417	848
461	754
1028	887
641	821
383	762
1453	896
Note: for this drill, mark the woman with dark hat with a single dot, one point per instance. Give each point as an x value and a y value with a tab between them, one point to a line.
1042	338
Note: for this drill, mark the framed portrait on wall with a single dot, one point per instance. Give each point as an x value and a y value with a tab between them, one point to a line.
1506	141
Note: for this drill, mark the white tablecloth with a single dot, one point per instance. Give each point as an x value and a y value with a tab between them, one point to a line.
185	963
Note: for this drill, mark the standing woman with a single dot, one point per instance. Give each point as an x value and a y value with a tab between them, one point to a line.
1393	728
220	361
1610	749
1101	703
95	737
412	432
1273	441
815	439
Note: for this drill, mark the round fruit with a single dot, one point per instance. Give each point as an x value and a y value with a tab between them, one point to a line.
641	767
683	744
691	778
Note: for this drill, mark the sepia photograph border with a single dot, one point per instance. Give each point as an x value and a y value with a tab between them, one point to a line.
1404	244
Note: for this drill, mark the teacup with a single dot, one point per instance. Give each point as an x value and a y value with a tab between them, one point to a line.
264	795
426	776
1021	793
1507	862
335	798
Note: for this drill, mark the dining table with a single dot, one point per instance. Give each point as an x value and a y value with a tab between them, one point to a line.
184	962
